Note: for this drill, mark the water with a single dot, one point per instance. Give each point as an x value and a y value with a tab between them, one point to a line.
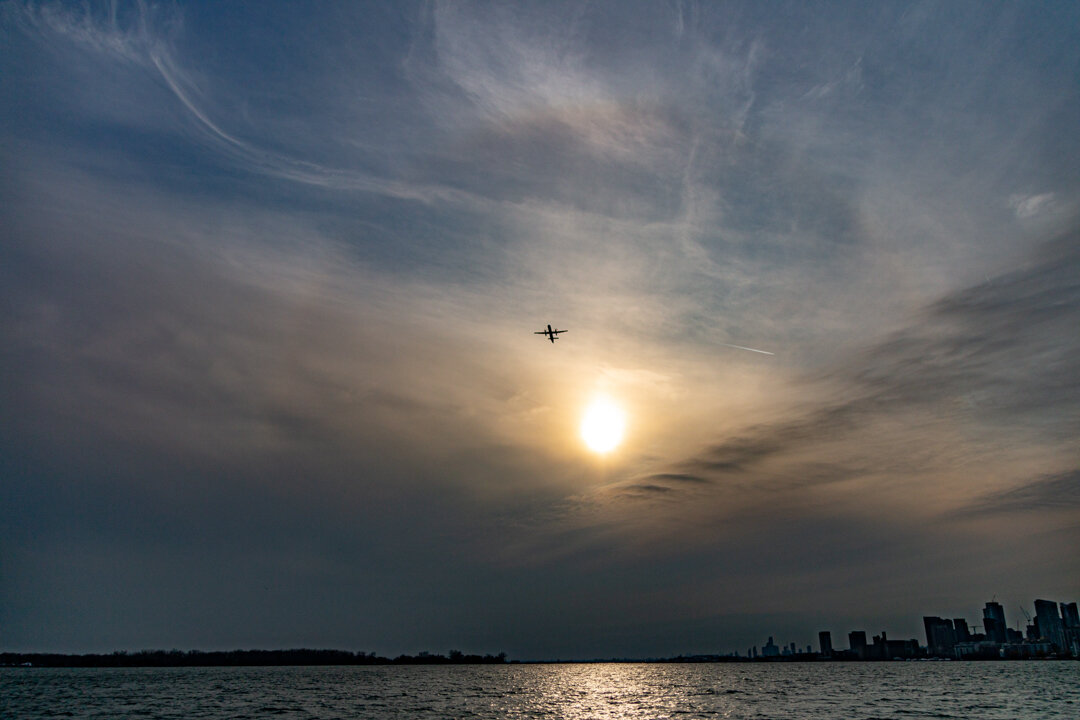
853	691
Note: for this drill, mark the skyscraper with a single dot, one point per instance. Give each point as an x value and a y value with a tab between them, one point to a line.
770	649
940	636
960	627
1070	617
825	643
1050	623
857	643
994	622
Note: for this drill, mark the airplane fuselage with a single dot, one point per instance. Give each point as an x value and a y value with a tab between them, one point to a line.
550	333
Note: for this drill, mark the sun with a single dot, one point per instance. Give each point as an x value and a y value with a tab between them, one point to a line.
603	425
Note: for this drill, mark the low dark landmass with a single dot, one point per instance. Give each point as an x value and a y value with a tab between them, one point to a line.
238	658
305	657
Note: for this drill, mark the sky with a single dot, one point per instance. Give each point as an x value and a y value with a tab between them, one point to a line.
270	275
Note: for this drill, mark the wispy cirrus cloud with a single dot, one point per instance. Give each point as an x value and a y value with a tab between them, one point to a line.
1048	493
986	365
145	37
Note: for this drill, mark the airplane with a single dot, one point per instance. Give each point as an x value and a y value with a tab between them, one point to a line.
552	335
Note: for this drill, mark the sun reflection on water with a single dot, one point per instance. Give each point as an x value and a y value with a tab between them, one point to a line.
606	690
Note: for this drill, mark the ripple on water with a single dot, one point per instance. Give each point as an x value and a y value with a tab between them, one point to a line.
885	691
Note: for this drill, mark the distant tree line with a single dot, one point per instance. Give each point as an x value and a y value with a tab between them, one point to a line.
239	658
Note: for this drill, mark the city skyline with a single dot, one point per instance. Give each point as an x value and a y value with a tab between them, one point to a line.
271	274
941	635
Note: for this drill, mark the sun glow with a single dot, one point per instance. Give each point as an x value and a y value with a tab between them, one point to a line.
603	425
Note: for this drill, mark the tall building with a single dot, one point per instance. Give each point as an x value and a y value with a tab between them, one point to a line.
770	649
994	630
940	636
994	622
960	627
824	639
1070	617
857	643
1050	623
886	649
877	649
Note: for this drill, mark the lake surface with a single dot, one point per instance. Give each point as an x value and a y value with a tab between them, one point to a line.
853	691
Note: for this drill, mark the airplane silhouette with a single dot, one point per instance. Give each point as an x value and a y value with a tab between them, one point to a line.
552	335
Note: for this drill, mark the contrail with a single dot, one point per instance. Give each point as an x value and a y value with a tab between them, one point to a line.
740	347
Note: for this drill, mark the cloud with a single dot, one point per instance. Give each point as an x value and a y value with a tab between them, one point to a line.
146	38
678	478
125	35
1027	206
973	374
1048	493
507	65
